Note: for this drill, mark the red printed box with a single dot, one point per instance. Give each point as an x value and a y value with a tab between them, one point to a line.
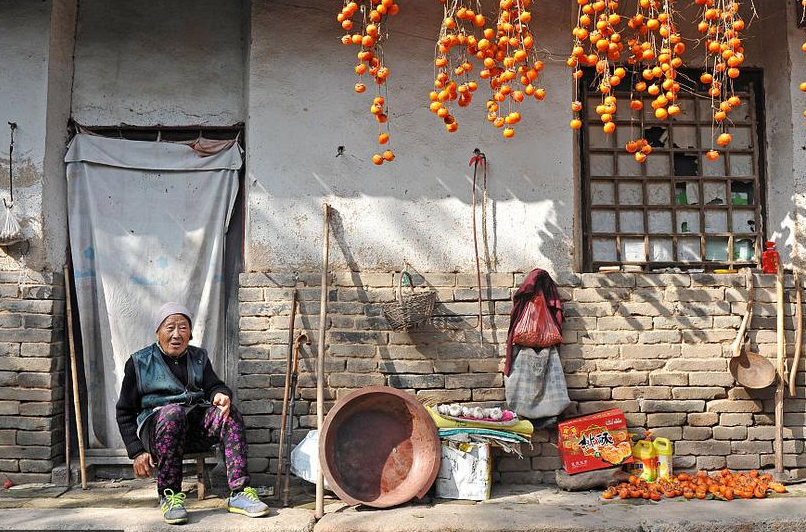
597	441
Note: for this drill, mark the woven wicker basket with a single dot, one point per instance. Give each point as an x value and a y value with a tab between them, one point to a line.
412	309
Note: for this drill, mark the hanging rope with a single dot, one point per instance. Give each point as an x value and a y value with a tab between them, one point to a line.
13	126
10	230
479	159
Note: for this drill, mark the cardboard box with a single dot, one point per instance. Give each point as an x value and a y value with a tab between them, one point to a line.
465	473
597	441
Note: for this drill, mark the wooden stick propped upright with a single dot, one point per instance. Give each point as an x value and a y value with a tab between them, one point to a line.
281	465
320	359
778	447
74	371
793	371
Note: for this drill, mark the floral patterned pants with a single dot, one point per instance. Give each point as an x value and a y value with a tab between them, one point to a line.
176	428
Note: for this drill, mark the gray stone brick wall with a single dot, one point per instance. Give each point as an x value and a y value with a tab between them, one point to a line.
654	345
31	375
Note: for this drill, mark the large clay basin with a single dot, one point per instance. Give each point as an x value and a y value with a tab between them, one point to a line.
379	447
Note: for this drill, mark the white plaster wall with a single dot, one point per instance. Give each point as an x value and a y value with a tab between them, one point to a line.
779	79
149	62
24	40
302	106
797	66
417	208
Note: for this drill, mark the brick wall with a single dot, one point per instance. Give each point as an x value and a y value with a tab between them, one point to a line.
655	346
31	375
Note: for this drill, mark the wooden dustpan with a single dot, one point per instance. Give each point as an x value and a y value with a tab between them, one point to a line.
752	370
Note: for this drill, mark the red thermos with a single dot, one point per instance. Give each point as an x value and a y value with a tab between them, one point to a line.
770	259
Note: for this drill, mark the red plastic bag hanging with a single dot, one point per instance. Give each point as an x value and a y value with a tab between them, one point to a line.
536	327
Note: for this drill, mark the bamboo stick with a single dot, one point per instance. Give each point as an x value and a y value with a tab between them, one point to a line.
74	370
280	451
320	360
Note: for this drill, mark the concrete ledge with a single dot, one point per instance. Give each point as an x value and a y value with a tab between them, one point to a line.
513	509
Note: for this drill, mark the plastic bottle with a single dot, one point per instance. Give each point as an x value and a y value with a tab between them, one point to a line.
664	451
646	459
770	259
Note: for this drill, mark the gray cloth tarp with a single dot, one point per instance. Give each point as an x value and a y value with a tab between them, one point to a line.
147	225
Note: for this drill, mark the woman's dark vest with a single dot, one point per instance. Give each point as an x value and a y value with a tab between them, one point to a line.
159	387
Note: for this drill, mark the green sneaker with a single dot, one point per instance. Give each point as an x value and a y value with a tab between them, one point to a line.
247	503
173	508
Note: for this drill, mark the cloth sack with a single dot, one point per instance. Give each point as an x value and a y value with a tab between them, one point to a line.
305	458
536	388
536	327
10	230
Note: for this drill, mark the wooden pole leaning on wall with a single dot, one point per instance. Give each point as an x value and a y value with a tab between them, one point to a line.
286	390
74	371
793	371
778	447
320	359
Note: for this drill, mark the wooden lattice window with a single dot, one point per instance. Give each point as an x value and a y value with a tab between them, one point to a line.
678	209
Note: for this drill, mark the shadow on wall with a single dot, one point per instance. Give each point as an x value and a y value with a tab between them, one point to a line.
435	233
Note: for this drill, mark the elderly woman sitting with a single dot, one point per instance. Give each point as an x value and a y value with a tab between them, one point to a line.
171	397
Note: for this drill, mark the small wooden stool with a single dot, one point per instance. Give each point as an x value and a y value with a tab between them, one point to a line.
202	473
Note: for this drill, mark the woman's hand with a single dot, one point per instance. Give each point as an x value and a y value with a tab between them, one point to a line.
223	403
143	464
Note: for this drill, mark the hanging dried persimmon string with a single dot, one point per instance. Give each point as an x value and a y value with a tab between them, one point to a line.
597	30
656	49
722	27
510	64
455	46
374	14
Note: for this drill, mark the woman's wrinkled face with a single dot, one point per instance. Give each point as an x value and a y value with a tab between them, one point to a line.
174	334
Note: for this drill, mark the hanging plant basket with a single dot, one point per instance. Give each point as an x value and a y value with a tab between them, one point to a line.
412	309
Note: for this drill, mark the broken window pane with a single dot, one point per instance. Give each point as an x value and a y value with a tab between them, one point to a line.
685	137
687	193
744	221
688	221
715	193
656	136
686	165
741	193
